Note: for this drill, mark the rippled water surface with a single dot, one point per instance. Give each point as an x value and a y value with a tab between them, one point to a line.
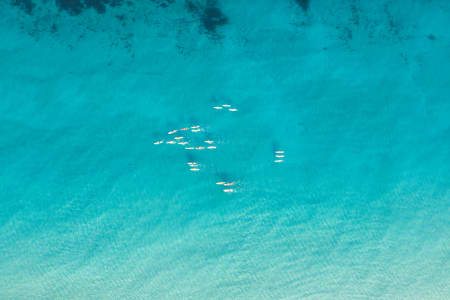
202	149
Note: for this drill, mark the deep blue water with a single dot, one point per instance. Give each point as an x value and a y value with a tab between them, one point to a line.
355	93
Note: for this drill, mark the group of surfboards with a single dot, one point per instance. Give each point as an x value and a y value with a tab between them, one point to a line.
179	137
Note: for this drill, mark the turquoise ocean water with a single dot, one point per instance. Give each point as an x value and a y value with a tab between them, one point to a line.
356	94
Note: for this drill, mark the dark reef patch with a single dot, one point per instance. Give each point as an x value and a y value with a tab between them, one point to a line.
346	34
355	19
210	15
76	7
54	28
213	17
25	5
70	21
163	3
431	37
393	25
304	4
191	7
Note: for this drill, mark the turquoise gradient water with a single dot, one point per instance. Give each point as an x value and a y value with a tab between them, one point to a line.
356	93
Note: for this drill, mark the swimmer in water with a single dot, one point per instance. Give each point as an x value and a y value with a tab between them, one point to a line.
179	137
229	190
171	142
199	148
172	132
212	147
158	142
195	127
195	130
217	107
209	142
232	109
279	156
220	183
185	128
279	152
278	161
228	183
194	169
183	143
189	148
226	105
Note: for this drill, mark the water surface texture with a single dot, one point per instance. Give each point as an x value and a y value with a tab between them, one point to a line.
308	154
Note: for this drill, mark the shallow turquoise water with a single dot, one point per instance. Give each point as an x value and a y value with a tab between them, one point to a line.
355	93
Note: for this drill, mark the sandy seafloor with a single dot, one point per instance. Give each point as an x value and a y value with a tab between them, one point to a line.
357	94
